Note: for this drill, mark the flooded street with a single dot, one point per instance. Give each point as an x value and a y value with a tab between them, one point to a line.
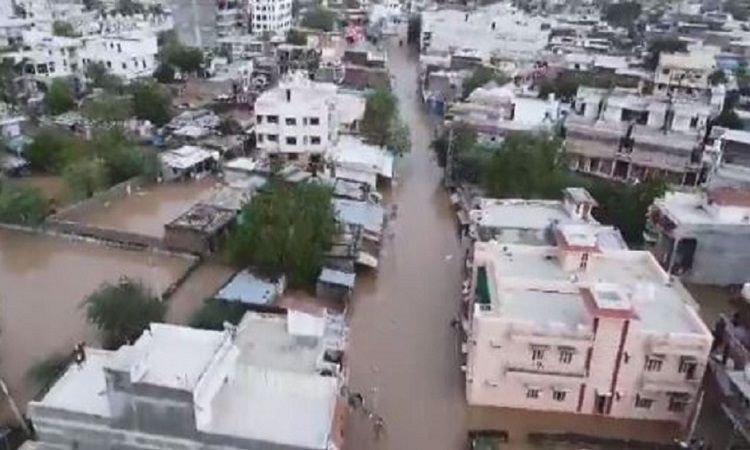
404	357
42	283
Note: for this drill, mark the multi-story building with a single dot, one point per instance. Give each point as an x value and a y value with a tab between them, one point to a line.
271	16
703	236
532	222
127	55
582	329
272	382
300	117
619	134
684	73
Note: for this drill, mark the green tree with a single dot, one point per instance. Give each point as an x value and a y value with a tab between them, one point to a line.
728	118
319	18
214	313
59	98
352	4
286	231
8	73
130	7
22	205
526	166
296	37
150	103
464	139
399	138
381	110
717	77
100	77
50	150
622	14
164	73
85	177
62	28
186	59
481	76
91	5
122	311
663	45
107	109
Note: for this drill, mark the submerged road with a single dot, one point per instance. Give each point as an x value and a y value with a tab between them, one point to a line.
404	357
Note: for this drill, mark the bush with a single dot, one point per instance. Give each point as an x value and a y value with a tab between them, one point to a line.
319	18
59	97
22	205
214	313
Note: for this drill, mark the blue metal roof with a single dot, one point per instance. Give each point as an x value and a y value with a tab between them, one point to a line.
368	215
246	288
337	277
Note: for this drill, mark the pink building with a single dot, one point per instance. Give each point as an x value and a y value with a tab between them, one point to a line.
583	329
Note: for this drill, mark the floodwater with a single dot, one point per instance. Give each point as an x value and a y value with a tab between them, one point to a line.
147	210
204	282
404	356
42	283
53	187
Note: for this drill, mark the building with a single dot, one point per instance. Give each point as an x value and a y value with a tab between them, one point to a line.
494	111
129	55
532	222
199	230
300	117
581	329
622	135
702	236
271	16
272	382
686	73
187	162
351	159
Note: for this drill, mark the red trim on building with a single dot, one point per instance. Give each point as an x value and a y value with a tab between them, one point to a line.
618	362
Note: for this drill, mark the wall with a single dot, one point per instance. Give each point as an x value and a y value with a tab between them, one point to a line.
722	256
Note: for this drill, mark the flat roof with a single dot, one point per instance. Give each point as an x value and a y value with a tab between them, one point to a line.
80	388
691	208
248	288
662	305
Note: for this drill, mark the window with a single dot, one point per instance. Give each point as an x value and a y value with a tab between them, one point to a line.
665	71
273	138
273	119
678	402
304	121
642	402
653	364
291	140
537	354
559	396
260	138
124	66
293	156
566	355
314	121
291	121
688	366
532	393
315	140
694	122
119	48
109	64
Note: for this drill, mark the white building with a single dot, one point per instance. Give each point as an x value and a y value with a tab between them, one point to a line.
684	72
302	117
582	329
272	382
127	55
271	16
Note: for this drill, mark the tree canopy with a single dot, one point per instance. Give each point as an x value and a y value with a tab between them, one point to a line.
62	28
319	18
296	37
622	14
669	44
214	313
106	109
286	231
481	76
122	311
186	59
130	7
717	77
22	205
59	97
100	77
151	103
381	124
50	150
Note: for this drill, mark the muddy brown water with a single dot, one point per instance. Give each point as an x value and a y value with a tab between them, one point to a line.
404	356
42	283
146	211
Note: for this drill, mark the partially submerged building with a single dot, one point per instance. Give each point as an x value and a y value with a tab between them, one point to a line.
187	162
703	236
582	329
272	382
200	230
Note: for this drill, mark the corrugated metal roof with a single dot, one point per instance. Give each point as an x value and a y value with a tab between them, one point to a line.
246	288
337	277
